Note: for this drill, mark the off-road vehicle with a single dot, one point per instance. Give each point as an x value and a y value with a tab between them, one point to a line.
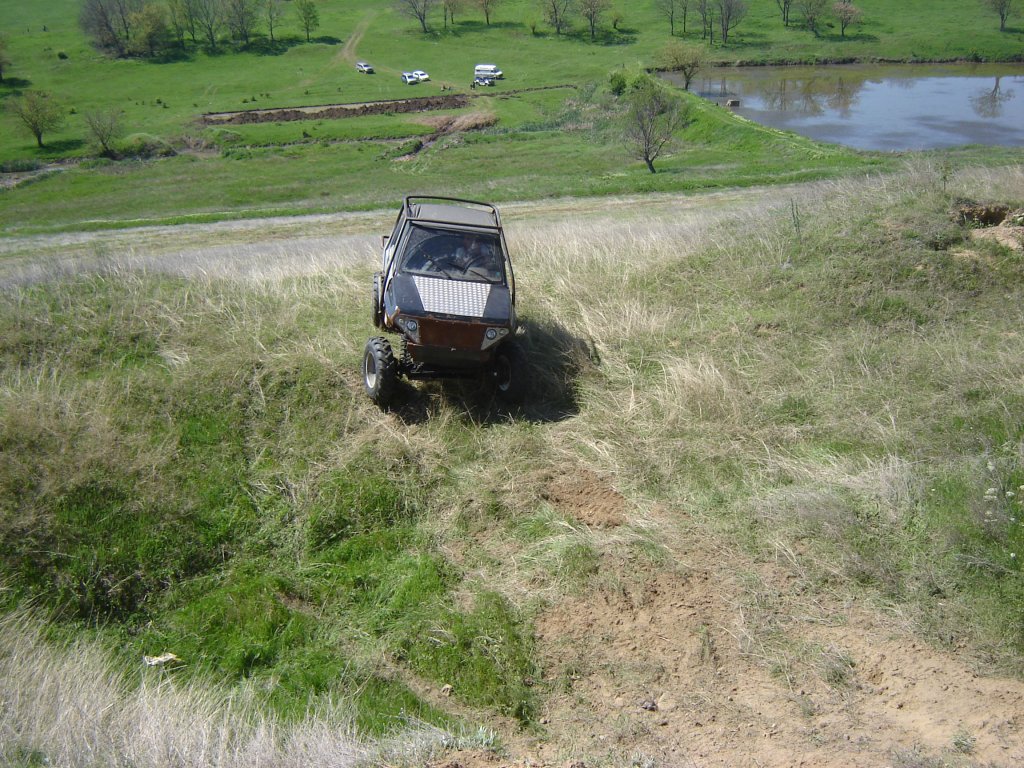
446	288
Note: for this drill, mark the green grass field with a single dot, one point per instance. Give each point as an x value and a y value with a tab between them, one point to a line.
560	149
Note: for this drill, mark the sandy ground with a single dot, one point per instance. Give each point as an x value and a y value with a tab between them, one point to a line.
661	666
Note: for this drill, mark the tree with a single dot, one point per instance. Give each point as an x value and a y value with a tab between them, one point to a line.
108	22
730	14
556	13
209	19
38	112
672	10
417	9
488	6
1002	8
5	58
450	7
240	17
784	6
812	11
105	127
686	59
309	17
183	19
273	13
592	10
847	14
150	32
653	116
707	19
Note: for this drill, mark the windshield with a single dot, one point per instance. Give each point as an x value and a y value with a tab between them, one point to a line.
454	255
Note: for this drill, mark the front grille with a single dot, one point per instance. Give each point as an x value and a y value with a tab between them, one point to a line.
451	333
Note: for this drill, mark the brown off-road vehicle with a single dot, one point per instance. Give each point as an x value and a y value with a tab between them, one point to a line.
446	288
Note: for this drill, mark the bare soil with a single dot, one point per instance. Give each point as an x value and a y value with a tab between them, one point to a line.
691	665
715	659
337	111
450	100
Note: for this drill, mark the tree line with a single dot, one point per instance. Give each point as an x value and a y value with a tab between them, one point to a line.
149	28
724	16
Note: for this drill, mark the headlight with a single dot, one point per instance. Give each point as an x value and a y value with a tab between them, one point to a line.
410	327
492	336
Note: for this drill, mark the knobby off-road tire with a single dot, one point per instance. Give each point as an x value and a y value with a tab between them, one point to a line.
508	372
380	371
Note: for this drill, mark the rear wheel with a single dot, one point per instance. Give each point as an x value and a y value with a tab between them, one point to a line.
380	370
508	372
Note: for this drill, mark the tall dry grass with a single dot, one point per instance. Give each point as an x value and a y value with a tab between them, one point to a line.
72	704
64	705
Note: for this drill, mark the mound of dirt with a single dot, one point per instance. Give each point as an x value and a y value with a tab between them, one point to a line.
336	111
1005	234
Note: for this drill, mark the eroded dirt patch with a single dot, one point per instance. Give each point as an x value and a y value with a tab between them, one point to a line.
724	662
583	495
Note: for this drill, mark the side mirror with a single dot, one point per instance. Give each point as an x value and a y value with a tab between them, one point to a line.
384	241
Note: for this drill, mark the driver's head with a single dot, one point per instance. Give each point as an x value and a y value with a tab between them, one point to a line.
465	249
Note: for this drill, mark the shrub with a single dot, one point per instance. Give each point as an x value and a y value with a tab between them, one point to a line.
617	82
145	145
20	165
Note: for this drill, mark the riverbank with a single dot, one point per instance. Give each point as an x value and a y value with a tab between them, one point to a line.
815	60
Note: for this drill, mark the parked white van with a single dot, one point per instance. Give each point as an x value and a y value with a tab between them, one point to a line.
487	70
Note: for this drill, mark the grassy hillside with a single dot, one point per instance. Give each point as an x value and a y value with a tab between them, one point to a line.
828	377
576	149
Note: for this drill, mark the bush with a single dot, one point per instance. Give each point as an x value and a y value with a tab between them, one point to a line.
21	165
223	136
618	83
145	145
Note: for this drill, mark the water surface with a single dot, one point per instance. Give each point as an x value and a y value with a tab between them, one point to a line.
878	107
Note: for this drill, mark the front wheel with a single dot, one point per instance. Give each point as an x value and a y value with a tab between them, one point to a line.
380	370
508	372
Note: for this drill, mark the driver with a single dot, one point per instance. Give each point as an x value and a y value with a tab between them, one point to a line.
469	251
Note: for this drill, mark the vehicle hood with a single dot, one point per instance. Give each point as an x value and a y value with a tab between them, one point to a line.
420	295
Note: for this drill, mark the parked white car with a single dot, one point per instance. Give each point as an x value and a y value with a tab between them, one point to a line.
362	66
409	78
421	75
488	70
